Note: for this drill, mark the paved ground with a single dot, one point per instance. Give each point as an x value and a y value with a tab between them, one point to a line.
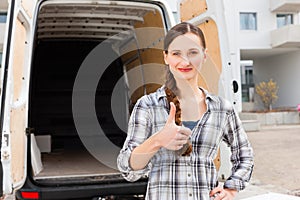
277	162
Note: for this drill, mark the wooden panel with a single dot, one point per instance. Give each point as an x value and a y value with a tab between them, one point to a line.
17	120
18	59
212	69
191	8
149	34
72	163
17	131
151	19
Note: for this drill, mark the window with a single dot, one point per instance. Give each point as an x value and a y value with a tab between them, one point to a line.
3	17
247	80
284	19
248	21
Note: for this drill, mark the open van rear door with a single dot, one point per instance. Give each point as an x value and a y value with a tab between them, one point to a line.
216	75
14	94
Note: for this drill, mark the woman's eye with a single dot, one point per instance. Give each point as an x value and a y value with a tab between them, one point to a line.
194	52
176	54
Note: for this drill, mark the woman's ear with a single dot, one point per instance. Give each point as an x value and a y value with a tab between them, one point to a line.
205	55
165	57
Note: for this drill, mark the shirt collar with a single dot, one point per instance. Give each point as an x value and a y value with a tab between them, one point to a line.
161	93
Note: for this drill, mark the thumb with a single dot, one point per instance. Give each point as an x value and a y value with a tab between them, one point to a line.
171	118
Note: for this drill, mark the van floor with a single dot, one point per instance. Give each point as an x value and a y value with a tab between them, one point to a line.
72	163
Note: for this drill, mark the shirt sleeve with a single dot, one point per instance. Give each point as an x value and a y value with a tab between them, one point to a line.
241	153
139	129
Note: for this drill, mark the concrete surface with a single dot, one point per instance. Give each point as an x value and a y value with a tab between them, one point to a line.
276	173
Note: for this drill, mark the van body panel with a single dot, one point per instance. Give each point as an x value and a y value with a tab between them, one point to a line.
15	97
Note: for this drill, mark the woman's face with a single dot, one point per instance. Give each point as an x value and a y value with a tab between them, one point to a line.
185	56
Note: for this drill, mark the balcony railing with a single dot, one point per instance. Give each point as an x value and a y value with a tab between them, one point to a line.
286	37
285	5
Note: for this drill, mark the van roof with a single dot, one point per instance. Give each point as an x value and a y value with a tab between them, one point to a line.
107	19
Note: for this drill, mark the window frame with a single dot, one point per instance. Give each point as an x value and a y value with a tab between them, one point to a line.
285	15
247	26
3	17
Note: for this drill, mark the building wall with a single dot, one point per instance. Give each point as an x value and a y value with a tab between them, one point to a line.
277	63
285	70
266	21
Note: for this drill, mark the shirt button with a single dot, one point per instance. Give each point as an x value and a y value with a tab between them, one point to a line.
189	175
190	195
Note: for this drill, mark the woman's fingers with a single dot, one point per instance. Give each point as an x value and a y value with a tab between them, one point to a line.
185	131
223	194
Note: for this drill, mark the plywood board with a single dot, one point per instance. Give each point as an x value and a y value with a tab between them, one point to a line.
72	163
18	139
212	69
17	119
191	8
18	59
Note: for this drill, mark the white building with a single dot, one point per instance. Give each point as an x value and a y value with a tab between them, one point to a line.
269	36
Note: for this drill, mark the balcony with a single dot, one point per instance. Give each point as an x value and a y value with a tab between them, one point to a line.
285	5
286	37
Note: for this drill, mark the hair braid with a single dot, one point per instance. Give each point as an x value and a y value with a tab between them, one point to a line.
172	93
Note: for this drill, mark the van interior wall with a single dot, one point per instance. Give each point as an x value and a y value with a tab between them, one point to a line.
55	66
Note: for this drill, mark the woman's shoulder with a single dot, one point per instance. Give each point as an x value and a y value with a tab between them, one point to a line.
153	99
219	103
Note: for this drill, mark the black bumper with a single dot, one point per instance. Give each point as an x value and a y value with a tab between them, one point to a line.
85	191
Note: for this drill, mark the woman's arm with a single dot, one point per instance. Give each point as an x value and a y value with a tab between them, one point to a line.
139	147
171	137
242	156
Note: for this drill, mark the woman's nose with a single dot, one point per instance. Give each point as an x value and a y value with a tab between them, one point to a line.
185	60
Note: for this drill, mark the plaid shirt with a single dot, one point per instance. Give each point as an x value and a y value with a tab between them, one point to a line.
192	177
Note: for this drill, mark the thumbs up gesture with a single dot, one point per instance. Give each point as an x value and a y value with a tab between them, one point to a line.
172	136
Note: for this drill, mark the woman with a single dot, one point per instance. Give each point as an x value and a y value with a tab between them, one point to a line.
174	133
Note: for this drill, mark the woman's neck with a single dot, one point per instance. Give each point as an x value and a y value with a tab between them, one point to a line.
188	89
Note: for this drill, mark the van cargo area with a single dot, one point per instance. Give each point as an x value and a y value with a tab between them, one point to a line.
65	35
55	68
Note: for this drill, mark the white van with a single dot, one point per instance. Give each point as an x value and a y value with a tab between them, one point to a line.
72	70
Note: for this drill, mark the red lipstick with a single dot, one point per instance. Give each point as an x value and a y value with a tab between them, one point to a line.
185	69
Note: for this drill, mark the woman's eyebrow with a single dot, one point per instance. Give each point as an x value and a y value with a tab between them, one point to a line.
196	48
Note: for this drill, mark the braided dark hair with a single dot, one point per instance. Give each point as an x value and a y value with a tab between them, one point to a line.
171	89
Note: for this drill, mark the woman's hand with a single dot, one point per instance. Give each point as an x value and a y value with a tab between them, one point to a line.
173	137
224	194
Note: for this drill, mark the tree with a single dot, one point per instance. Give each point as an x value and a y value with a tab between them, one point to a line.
267	92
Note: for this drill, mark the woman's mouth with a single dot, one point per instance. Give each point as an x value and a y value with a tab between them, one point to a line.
185	69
